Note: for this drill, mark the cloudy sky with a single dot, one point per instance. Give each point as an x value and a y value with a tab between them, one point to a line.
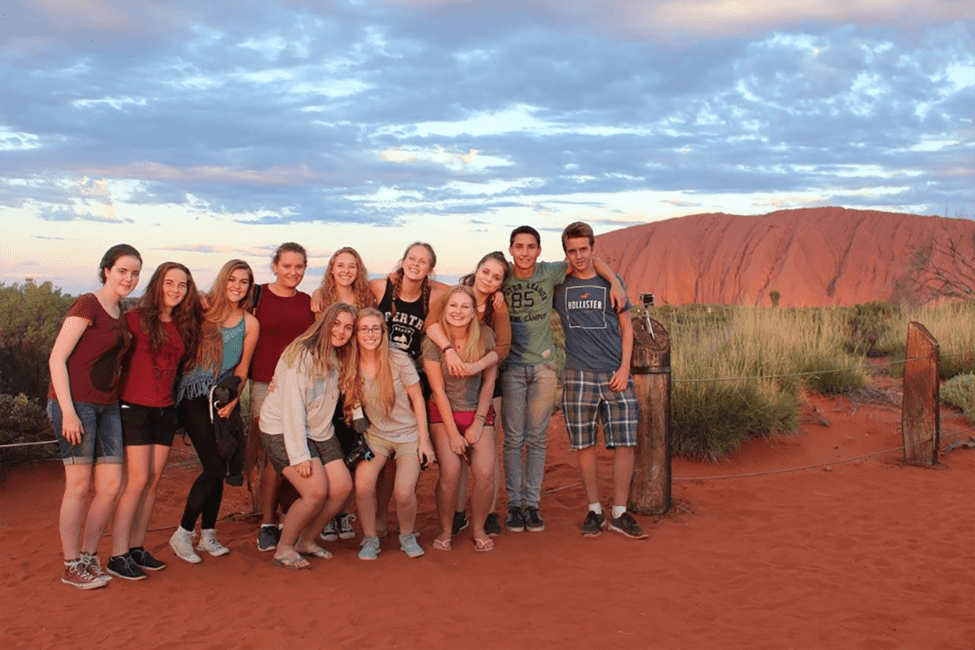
200	131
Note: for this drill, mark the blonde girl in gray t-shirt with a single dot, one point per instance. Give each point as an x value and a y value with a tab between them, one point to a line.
387	386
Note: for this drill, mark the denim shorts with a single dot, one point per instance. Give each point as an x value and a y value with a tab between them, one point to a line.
101	438
148	425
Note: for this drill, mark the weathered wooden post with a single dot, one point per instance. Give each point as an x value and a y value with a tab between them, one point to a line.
650	491
920	415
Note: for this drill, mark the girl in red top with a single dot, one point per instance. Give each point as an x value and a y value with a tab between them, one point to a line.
284	314
85	365
165	326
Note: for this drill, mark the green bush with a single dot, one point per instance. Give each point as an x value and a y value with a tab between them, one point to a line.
832	379
867	325
960	391
951	326
24	421
30	316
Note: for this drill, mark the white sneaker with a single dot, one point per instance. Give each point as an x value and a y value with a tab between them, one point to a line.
182	544
209	543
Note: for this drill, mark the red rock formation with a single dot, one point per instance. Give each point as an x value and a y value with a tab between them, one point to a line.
812	256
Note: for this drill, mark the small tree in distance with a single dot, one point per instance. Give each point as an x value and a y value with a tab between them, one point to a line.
774	295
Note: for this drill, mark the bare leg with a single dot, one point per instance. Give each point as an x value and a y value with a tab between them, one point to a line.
623	458
407	474
339	484
384	492
483	460
108	482
77	479
447	483
270	495
137	469
366	474
498	436
587	470
160	455
312	492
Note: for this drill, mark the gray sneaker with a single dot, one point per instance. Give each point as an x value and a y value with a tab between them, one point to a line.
593	525
182	544
627	525
409	545
94	566
370	548
77	575
145	560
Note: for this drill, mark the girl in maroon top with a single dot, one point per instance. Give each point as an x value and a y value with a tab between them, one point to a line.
284	314
165	326
85	366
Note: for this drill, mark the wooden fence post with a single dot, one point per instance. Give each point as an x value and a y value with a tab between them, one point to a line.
920	414
650	490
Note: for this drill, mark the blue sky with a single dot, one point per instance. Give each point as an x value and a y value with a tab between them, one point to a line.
201	131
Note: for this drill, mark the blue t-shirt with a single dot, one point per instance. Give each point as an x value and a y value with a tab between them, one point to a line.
592	329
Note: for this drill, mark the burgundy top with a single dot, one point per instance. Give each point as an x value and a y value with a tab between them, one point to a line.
151	376
95	364
282	321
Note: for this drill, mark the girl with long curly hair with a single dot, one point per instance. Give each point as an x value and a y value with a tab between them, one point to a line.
165	326
228	337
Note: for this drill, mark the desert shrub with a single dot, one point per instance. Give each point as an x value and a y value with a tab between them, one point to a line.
951	324
960	391
30	316
867	324
22	421
738	372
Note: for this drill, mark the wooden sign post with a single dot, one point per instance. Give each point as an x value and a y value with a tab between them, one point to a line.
920	408
650	491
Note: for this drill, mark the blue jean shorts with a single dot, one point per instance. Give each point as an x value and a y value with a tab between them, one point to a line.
101	438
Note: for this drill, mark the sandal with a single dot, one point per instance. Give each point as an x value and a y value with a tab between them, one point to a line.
441	544
294	563
317	552
483	545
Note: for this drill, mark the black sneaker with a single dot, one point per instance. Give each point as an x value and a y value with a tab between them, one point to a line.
492	525
627	525
533	521
144	559
123	567
516	521
593	525
460	522
268	537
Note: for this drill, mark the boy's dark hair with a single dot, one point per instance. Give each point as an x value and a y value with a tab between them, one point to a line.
578	229
525	230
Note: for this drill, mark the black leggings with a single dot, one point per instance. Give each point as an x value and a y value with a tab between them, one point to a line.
207	491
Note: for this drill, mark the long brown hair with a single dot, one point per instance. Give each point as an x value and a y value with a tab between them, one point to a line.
468	280
316	341
186	316
210	348
384	378
397	277
360	286
476	345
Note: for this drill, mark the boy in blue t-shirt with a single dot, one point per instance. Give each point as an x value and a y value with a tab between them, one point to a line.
597	382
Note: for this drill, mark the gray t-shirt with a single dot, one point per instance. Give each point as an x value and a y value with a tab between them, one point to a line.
400	424
462	392
592	329
530	308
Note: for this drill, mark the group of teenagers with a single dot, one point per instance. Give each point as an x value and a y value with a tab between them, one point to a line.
363	372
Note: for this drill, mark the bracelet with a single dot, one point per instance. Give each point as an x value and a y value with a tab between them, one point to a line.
449	347
480	418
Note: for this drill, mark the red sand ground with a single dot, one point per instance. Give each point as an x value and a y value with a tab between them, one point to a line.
868	554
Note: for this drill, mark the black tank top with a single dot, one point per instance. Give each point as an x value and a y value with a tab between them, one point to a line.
406	325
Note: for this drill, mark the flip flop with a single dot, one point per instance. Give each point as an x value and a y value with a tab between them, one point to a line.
294	563
441	544
319	553
483	545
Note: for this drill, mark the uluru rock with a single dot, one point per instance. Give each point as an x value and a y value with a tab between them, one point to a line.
811	256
